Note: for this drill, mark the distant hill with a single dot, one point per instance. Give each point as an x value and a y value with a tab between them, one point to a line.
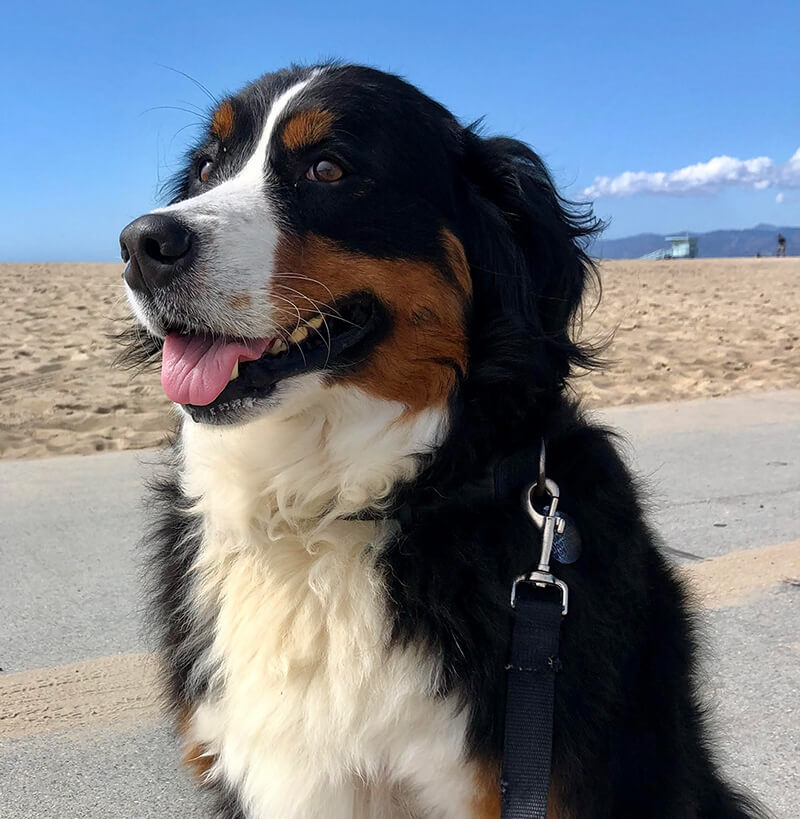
761	239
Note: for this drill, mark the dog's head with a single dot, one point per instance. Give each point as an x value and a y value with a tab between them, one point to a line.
335	225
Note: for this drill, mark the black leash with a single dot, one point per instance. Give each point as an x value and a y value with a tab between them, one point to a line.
525	780
539	601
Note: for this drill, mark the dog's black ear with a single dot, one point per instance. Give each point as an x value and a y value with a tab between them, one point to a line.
525	243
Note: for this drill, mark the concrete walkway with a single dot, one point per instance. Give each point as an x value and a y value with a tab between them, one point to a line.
80	733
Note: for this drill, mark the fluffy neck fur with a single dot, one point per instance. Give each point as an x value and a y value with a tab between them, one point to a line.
325	453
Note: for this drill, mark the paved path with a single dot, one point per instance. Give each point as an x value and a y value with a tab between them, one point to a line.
80	734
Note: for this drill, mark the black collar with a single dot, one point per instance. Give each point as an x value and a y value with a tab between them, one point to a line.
502	481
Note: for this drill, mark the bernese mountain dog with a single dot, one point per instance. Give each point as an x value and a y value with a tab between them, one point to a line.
360	307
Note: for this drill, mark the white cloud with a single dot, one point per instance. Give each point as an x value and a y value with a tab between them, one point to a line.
779	198
704	177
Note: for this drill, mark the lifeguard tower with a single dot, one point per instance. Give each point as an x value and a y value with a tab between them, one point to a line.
681	247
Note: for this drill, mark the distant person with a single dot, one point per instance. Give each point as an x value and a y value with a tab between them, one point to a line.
781	245
758	254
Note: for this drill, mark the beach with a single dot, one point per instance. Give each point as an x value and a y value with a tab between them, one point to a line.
675	329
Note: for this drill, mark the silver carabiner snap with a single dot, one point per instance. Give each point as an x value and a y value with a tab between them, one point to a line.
548	523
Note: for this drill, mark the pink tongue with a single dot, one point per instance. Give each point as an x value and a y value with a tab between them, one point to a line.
196	369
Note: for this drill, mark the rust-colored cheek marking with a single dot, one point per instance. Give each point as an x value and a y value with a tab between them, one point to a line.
419	361
222	121
194	756
240	301
307	128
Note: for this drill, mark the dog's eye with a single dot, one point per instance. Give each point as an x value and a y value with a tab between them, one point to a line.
205	170
324	170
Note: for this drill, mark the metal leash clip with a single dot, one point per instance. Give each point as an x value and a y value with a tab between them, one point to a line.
549	523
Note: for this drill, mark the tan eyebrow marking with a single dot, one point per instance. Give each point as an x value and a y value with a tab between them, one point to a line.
222	121
307	128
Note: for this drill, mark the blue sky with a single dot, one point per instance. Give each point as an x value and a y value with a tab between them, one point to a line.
599	89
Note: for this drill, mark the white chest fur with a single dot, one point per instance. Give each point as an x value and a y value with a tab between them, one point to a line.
310	712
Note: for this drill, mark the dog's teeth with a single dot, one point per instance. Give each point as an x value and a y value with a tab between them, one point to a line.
316	323
234	372
299	334
278	347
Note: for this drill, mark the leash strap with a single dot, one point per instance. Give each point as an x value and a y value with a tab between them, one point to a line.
540	601
531	670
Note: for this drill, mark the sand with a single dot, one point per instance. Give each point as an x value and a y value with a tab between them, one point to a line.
695	328
682	329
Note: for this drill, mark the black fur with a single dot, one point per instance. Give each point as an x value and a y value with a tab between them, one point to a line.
181	639
629	738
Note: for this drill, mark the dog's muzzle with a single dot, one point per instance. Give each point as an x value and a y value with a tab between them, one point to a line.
157	248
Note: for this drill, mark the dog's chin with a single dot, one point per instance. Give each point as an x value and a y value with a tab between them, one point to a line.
235	412
352	328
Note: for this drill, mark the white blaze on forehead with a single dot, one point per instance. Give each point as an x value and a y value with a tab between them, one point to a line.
255	165
237	232
252	174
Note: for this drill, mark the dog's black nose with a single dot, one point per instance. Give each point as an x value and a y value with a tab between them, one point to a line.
156	247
